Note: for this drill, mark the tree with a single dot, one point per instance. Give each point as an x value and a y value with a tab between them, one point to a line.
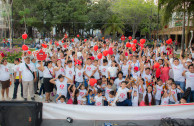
132	12
7	16
113	26
180	6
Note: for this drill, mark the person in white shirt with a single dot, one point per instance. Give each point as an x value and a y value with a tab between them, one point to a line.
189	75
5	79
70	73
165	98
113	70
38	66
135	96
104	68
122	95
48	74
173	93
61	83
120	79
16	78
111	98
60	99
98	99
79	71
158	91
88	71
27	76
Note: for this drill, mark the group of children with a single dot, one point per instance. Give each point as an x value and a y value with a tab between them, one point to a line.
124	77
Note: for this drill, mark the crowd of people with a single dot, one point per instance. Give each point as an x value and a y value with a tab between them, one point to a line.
127	77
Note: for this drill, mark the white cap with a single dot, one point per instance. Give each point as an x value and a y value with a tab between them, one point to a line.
189	60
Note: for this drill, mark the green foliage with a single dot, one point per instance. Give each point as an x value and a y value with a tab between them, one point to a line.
114	25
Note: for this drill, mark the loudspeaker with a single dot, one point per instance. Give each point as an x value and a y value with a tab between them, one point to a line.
19	113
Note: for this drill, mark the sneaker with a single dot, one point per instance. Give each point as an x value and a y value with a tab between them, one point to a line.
44	95
13	98
36	93
40	96
3	99
32	99
8	98
25	99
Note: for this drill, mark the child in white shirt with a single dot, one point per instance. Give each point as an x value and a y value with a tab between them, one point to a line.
98	99
111	98
175	89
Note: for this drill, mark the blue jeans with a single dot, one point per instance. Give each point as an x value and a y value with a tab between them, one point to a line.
157	102
16	83
41	88
182	85
85	82
105	103
126	102
191	97
68	95
77	84
170	102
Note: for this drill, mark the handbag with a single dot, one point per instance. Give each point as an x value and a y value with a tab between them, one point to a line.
30	70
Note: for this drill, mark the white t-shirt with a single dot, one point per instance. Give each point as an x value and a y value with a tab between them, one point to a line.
98	100
113	71
158	92
107	90
61	87
79	100
144	75
125	69
79	75
60	71
140	89
5	73
59	102
165	101
89	70
111	100
46	73
70	72
96	74
117	82
40	72
122	94
189	80
104	70
26	74
82	92
16	69
178	70
175	91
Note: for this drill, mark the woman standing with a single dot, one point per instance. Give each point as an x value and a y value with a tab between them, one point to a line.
5	79
48	74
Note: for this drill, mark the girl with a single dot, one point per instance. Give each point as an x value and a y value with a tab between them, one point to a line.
5	79
135	96
61	84
82	93
48	74
112	71
77	99
16	78
118	81
157	91
148	97
71	88
59	69
107	90
165	98
173	93
125	68
141	88
165	72
111	98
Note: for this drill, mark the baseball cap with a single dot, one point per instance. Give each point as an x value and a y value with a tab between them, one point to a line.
189	60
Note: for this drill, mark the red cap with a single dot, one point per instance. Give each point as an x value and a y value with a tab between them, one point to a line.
136	68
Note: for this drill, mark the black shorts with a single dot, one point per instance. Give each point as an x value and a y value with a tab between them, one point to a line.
48	86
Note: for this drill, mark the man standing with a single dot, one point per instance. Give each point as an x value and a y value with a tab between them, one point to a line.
27	71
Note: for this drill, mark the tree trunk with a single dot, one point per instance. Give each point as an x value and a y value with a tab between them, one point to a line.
183	32
187	32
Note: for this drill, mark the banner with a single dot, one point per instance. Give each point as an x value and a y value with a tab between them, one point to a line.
85	112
